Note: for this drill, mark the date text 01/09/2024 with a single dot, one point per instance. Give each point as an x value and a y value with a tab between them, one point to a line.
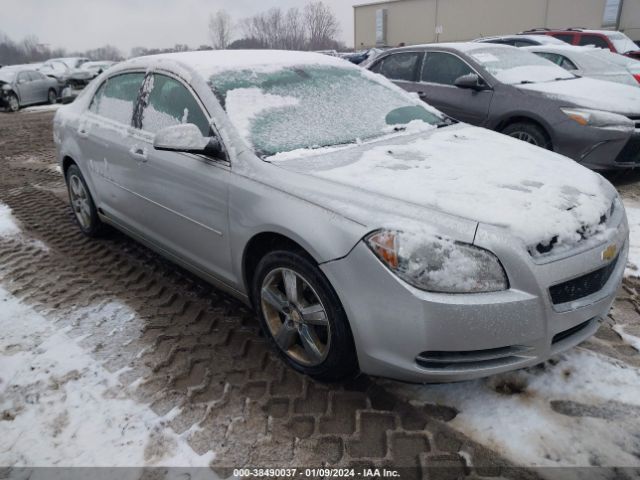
316	473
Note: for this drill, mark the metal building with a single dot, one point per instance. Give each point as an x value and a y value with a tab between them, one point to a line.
396	22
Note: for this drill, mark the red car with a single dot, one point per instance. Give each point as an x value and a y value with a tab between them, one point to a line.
612	40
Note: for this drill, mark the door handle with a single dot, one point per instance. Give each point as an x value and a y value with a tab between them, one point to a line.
139	153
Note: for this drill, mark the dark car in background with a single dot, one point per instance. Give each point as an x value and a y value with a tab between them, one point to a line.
522	95
22	85
612	40
521	40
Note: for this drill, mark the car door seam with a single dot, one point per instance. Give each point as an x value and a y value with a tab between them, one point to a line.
217	232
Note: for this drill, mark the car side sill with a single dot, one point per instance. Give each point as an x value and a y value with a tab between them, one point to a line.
213	280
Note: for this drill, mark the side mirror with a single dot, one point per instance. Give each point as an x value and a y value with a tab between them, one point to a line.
186	138
471	81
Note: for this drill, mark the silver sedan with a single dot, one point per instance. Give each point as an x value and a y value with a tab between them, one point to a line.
368	231
22	85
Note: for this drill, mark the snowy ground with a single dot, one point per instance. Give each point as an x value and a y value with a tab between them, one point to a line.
41	108
582	409
633	214
60	407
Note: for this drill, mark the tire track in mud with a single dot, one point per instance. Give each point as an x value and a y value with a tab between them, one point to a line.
194	354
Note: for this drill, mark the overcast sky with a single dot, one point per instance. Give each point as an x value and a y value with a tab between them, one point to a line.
85	24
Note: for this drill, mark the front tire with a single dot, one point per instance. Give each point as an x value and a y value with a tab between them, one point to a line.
52	97
301	315
528	132
82	204
13	103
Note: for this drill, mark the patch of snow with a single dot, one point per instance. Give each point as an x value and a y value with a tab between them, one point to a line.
9	227
633	216
42	108
209	63
60	407
580	411
182	137
630	339
115	109
8	224
592	93
245	104
479	175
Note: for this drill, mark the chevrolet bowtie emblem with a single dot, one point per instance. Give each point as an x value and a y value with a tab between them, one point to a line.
610	253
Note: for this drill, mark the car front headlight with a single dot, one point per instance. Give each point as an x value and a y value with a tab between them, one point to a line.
598	119
438	265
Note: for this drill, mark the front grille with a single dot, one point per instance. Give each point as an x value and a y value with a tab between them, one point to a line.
585	232
582	287
570	333
472	359
631	151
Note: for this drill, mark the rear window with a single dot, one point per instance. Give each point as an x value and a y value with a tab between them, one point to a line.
513	66
594	40
565	37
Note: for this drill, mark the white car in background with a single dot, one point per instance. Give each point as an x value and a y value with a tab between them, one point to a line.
592	62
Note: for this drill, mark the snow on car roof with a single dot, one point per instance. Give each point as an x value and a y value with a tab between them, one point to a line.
566	48
211	62
461	46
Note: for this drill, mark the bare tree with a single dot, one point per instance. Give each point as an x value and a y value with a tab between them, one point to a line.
322	25
295	36
108	52
276	28
220	29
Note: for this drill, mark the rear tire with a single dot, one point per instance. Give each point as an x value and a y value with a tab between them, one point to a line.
52	97
84	209
528	132
301	315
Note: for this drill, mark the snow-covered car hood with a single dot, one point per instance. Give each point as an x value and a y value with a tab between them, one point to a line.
591	93
474	174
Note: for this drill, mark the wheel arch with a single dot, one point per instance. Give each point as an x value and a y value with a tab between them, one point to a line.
260	245
67	161
524	118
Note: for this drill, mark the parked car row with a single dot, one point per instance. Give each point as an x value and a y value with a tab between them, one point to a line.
48	82
22	86
368	230
614	41
525	96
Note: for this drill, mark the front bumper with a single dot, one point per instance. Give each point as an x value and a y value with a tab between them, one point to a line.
408	334
595	148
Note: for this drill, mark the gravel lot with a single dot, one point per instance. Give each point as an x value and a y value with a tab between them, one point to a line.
195	358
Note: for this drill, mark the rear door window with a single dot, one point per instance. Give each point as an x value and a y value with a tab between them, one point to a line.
401	66
171	103
552	57
116	97
594	40
443	68
565	37
23	77
567	64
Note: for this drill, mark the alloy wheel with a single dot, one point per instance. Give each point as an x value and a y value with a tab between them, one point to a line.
296	317
14	105
80	201
525	137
